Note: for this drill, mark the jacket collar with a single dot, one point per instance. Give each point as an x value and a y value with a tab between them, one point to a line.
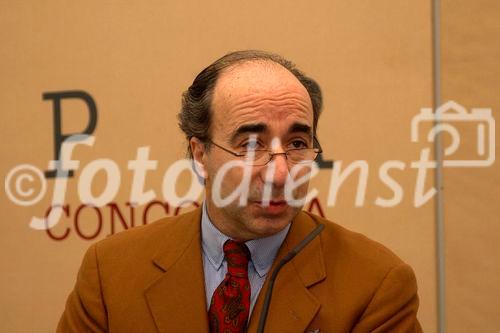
177	298
293	306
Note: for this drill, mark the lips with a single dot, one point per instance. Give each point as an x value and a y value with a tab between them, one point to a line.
275	207
272	202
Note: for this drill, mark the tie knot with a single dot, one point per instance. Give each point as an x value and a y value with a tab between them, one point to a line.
237	256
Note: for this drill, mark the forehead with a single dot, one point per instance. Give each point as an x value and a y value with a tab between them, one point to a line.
259	92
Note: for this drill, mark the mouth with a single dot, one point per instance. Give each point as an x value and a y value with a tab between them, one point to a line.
273	207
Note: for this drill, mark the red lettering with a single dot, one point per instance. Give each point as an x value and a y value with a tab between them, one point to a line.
114	210
118	218
151	204
77	224
315	203
65	209
185	204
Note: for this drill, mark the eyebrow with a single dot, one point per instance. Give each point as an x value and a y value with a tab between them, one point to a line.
296	127
300	128
248	128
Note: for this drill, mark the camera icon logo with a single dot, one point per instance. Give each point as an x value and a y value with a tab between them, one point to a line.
446	119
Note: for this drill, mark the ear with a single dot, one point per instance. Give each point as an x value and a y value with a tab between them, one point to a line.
198	150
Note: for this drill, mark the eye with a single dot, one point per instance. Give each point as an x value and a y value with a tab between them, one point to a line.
298	144
251	144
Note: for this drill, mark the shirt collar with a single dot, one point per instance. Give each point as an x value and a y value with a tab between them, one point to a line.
262	250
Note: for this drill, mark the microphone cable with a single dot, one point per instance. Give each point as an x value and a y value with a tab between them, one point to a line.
287	258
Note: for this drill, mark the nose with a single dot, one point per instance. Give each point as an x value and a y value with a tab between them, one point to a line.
276	172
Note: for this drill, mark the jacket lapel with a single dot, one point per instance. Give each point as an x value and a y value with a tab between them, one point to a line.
177	298
292	305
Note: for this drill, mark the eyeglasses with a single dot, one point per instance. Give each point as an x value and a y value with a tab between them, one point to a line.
263	156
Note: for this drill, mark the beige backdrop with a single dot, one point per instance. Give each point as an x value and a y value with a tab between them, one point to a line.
471	74
373	60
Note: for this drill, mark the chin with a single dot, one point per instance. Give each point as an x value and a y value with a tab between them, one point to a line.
265	225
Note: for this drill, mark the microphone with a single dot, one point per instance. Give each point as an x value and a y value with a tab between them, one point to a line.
287	258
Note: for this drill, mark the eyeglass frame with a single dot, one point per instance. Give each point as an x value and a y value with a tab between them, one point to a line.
318	150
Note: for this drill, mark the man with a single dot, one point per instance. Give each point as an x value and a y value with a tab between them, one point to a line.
253	115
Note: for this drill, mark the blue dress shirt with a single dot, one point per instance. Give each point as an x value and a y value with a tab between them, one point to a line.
263	251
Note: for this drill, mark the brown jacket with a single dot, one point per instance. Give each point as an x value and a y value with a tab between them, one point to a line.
150	279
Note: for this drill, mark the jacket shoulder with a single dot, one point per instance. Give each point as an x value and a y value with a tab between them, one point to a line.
364	281
147	239
355	248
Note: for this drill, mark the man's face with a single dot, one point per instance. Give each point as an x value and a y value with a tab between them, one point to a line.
267	101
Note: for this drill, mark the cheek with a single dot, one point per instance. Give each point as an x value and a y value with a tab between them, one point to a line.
212	163
302	179
231	178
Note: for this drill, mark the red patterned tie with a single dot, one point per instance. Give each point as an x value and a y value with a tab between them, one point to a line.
230	305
